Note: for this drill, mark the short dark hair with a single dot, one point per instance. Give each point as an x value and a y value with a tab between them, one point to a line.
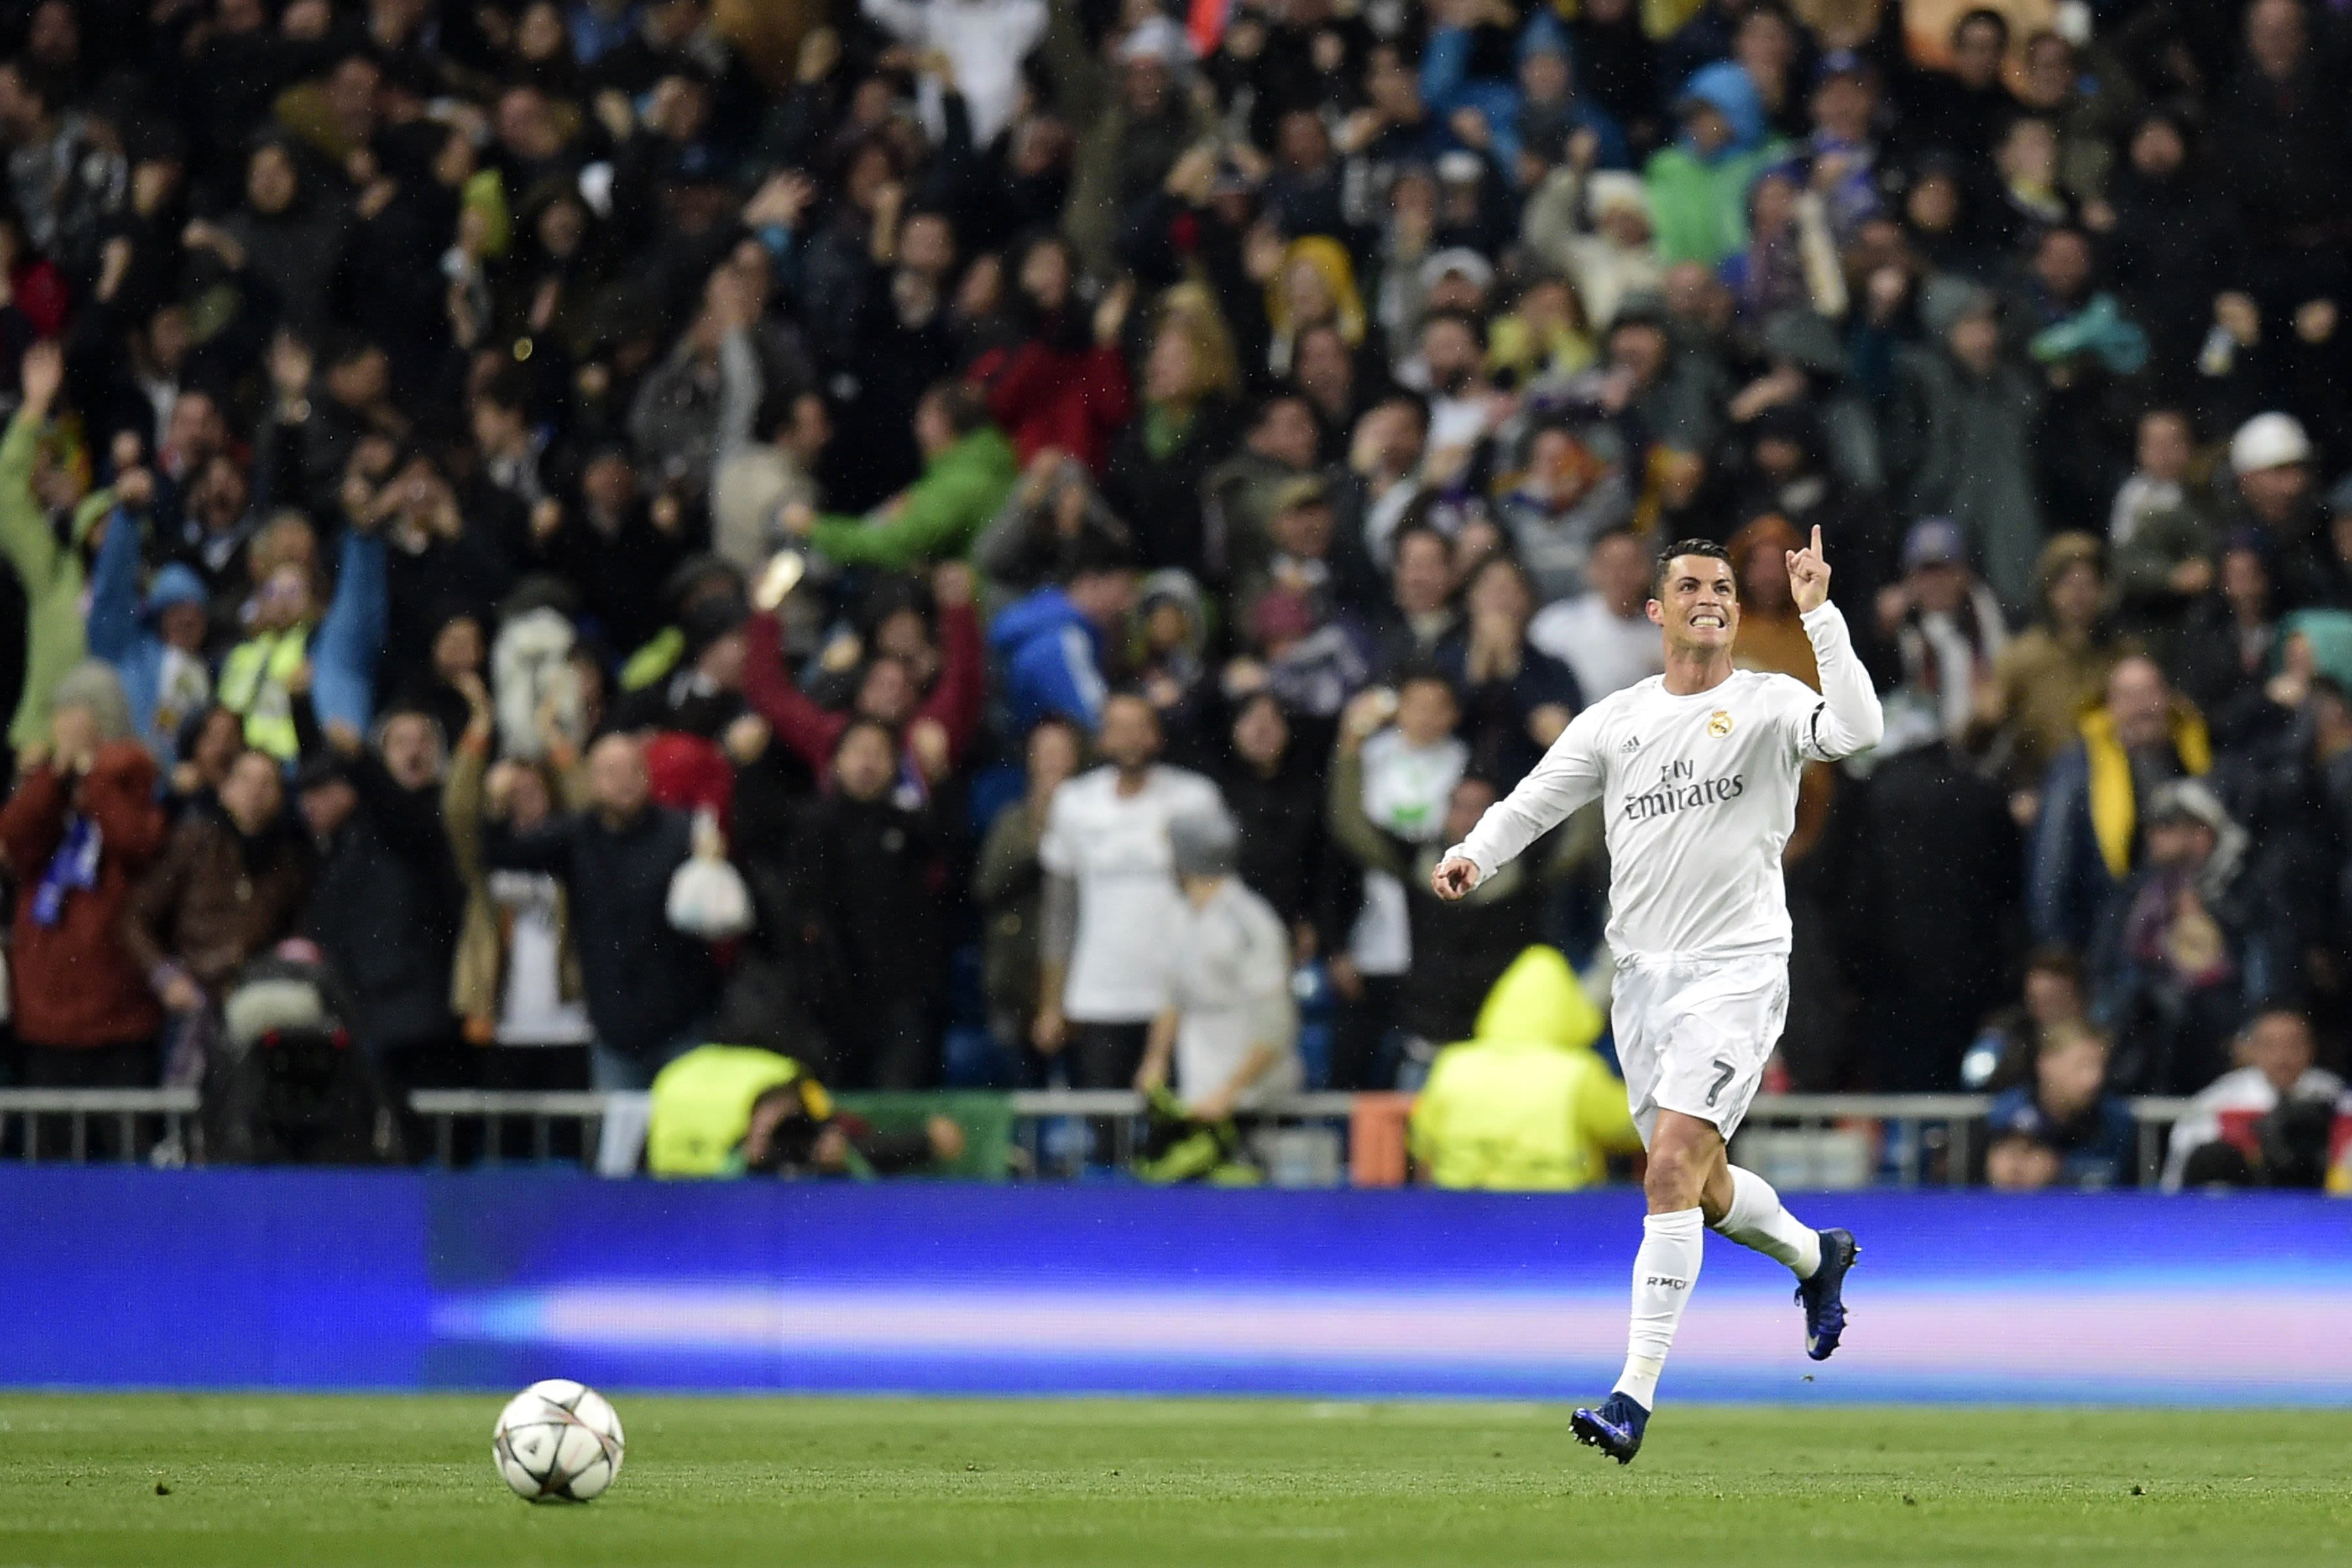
1982	16
1418	528
1676	550
964	405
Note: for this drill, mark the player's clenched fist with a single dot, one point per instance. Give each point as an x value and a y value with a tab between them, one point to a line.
1454	877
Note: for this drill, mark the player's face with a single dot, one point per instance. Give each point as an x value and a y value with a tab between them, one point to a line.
1699	605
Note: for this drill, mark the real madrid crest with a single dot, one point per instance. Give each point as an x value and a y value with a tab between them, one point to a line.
1718	723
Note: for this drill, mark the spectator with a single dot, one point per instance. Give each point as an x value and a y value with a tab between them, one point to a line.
292	646
1227	1037
514	976
968	471
1110	898
1603	633
2051	675
2055	992
2273	1052
79	830
2270	459
1613	259
1573	489
1185	423
157	646
2089	833
1959	438
35	479
1449	956
1516	699
2066	1109
1421	613
937	724
650	987
1524	1104
1698	188
386	903
1270	783
1940	637
230	885
871	868
1054	518
1056	647
2163	546
1009	884
2179	962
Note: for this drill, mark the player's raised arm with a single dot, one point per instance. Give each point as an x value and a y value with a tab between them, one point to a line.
1848	718
1569	775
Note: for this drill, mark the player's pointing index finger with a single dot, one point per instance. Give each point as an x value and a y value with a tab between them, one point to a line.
1817	542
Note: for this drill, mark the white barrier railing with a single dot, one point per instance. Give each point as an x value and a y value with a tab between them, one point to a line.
1933	1136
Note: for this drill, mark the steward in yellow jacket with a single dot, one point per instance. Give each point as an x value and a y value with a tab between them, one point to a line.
1524	1105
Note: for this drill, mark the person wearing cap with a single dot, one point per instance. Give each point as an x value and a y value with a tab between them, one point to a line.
1598	231
1959	437
157	645
1942	632
2187	951
1698	187
2272	461
1227	1037
1128	150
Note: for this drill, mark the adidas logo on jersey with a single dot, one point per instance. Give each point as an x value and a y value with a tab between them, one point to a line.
1633	743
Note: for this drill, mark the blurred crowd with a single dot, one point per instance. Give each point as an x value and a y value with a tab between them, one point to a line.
620	524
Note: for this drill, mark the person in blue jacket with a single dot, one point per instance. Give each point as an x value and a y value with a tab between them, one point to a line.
156	648
1052	648
1539	113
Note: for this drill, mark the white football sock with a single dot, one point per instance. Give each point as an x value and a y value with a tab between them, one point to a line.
1757	1220
1664	1271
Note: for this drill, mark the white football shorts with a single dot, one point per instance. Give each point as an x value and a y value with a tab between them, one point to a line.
1693	1035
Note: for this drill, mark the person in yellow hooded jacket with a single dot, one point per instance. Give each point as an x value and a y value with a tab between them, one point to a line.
1524	1105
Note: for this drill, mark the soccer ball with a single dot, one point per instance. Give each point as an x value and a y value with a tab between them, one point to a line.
557	1441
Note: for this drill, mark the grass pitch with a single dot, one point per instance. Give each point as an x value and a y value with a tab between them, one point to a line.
788	1483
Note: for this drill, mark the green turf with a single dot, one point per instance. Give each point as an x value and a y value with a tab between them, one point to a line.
191	1480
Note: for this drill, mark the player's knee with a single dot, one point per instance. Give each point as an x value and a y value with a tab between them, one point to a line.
1673	1180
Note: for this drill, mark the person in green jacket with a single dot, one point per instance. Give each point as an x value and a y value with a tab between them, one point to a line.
1524	1105
1698	188
969	467
52	573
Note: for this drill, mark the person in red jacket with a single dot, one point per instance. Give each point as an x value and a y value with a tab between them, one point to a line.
938	725
81	827
1060	388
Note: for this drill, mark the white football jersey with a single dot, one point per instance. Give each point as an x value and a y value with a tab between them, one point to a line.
1699	795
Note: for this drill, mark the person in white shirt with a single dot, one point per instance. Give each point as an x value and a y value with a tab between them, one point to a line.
1230	1029
983	41
2275	1055
1696	771
1603	633
1111	898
